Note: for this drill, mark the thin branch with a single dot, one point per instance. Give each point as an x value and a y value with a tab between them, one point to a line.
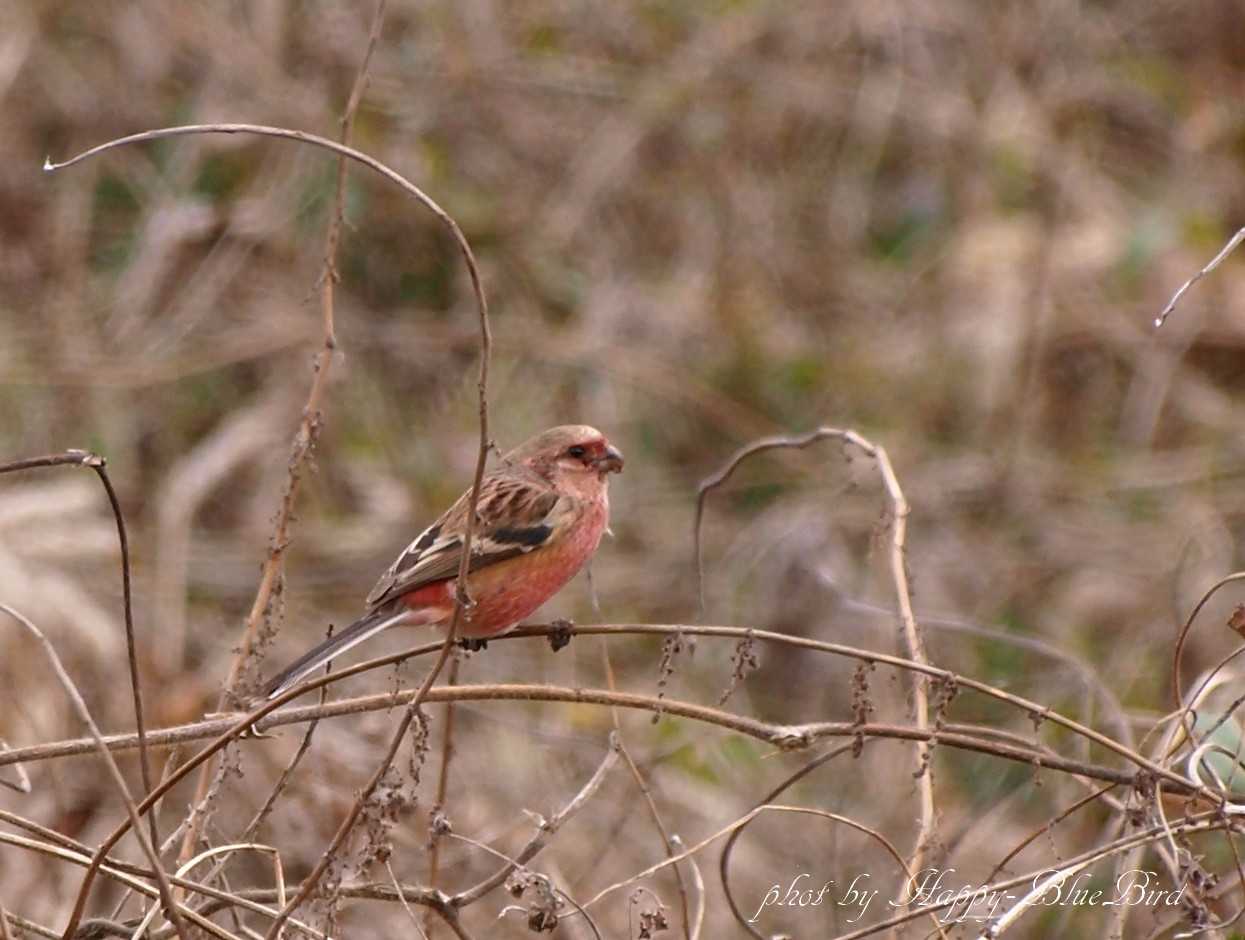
514	864
79	458
698	922
226	850
784	737
787	736
443	785
406	906
252	828
131	876
731	827
245	897
1093	684
248	834
1163	925
540	692
545	831
312	881
75	697
579	908
909	877
384	701
727	470
309	426
728	849
477	288
461	599
414	894
1227	249
1181	638
98	464
169	765
1089	798
140	723
899	575
22	783
667	839
59	839
453	923
916	650
30	926
315	140
343	830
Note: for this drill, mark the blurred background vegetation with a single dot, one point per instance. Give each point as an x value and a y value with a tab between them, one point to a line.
947	225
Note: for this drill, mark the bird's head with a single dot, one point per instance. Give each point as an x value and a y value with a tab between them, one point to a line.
574	454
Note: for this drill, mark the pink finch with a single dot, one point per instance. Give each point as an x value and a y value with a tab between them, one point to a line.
539	518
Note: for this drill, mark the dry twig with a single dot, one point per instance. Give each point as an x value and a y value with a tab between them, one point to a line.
899	574
668	840
544	832
785	736
1227	249
99	465
149	849
481	304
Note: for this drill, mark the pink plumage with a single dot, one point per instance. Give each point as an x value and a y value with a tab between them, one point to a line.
540	517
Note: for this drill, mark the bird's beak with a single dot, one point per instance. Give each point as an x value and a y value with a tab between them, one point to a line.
609	462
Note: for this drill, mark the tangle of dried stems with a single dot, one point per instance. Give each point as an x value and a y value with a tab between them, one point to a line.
1130	782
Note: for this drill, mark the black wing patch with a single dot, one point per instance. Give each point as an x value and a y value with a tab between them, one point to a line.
530	536
429	536
416	548
434	556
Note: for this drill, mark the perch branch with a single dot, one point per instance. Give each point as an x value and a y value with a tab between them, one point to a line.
229	728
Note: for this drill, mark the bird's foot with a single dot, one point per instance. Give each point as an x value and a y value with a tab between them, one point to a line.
250	731
473	644
560	633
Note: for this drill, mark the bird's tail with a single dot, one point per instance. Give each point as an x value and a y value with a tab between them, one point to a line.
362	629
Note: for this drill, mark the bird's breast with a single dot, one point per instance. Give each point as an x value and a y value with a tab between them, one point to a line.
507	592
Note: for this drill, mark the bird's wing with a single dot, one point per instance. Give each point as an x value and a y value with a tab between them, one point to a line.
513	517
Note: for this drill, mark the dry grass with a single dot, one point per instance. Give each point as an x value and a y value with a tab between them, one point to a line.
949	226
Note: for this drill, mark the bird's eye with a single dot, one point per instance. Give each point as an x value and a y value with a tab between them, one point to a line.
576	452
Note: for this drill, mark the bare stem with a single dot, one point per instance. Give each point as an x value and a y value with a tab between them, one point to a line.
229	728
1227	249
98	464
149	848
546	830
443	785
899	575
